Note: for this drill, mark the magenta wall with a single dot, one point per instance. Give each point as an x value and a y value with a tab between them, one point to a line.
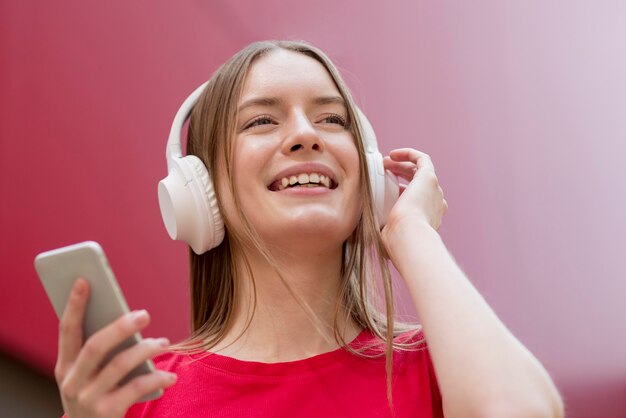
522	106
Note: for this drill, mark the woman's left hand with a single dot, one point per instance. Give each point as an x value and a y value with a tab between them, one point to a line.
421	200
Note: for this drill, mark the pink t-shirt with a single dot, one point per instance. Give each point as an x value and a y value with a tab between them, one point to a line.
334	384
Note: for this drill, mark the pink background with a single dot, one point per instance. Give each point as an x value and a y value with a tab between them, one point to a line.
522	106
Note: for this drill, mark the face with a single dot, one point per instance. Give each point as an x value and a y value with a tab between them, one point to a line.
295	163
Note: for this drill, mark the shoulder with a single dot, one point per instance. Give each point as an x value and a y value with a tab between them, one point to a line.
170	361
405	341
413	373
410	351
414	336
194	379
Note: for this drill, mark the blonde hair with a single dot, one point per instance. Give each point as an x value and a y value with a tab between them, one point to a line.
213	274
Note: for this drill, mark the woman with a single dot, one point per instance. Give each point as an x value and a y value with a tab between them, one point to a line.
283	310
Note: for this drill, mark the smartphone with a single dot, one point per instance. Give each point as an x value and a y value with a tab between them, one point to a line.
58	270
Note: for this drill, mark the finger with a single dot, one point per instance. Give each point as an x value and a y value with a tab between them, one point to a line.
403	169
122	364
102	342
139	387
71	327
422	160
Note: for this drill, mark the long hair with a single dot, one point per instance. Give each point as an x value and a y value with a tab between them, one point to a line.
213	274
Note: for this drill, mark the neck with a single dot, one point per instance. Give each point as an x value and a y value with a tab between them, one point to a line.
294	315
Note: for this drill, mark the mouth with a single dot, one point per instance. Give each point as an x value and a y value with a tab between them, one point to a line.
303	180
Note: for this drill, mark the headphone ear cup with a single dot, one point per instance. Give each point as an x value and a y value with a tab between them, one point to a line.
215	230
384	185
189	206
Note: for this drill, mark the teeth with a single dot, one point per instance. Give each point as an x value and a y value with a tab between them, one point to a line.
304	180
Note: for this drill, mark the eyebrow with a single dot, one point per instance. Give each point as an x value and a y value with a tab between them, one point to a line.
274	101
260	101
322	100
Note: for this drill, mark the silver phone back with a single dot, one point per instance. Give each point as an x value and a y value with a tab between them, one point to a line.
58	270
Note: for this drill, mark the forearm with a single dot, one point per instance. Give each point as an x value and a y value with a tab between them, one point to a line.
482	369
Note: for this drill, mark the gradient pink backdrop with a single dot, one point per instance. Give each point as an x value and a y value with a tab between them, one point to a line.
522	106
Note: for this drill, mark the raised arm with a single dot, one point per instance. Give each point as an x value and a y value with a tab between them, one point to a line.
482	369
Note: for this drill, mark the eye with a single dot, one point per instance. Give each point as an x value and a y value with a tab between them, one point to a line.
335	119
258	121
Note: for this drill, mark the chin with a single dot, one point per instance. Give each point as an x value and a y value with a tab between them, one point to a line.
308	232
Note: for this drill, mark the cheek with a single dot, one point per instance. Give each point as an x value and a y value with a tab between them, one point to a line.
350	156
251	155
247	174
247	169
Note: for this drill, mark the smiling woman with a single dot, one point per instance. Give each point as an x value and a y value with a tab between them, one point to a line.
287	319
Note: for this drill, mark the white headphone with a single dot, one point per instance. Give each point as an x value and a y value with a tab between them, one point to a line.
187	197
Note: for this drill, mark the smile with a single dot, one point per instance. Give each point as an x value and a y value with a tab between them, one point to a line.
308	180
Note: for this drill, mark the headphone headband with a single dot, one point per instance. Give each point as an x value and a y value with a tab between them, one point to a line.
174	148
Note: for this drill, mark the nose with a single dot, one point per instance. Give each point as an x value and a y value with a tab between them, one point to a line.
301	136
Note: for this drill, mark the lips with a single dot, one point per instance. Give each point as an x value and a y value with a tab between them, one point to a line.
308	175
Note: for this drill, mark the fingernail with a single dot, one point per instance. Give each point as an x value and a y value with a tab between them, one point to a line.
79	287
139	317
171	377
163	342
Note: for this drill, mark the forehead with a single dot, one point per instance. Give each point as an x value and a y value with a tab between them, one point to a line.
283	72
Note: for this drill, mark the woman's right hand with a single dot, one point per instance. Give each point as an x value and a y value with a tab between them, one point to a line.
89	390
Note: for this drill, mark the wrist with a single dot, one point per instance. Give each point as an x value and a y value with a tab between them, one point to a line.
406	233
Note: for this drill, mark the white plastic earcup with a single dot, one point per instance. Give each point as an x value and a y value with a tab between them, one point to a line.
189	206
385	187
392	192
384	184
